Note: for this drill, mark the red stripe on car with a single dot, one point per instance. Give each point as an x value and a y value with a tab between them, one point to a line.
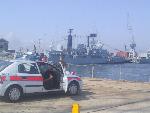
74	78
15	78
26	78
33	78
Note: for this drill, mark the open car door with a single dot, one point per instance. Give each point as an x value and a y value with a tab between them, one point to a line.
55	82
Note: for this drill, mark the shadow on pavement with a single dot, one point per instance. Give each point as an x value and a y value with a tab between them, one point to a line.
43	96
85	95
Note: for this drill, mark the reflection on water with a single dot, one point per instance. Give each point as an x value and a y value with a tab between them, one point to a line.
131	72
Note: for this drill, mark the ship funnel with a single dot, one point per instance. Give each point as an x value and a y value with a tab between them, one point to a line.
69	44
93	35
93	41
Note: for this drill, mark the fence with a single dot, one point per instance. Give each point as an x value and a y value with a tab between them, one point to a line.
130	72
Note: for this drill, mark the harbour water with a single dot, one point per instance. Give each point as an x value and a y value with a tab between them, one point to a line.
129	71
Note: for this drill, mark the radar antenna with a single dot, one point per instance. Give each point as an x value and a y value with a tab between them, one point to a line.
130	29
132	53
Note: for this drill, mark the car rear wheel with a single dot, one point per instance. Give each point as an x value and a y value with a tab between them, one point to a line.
13	94
73	88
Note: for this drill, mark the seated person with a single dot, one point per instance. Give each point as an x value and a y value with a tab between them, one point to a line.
48	79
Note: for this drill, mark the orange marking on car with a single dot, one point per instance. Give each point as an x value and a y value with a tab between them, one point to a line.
2	78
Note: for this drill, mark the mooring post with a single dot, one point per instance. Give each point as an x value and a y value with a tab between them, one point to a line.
120	73
75	108
93	71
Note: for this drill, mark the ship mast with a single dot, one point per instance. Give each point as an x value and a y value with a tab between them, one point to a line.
132	54
39	42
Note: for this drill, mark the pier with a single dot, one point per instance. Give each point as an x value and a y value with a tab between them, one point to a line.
98	96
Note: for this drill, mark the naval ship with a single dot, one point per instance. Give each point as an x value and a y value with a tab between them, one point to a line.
84	54
144	58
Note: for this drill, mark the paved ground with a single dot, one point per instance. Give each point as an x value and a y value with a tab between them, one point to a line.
98	96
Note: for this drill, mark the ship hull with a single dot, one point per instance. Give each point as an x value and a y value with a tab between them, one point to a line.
118	60
144	61
83	60
79	60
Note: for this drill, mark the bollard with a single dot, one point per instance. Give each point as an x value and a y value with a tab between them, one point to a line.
92	71
75	108
120	73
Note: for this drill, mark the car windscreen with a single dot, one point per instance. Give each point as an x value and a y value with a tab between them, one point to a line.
4	64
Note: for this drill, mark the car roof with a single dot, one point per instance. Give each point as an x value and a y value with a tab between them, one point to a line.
22	61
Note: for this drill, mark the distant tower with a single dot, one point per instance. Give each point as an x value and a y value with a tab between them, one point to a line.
88	41
3	45
39	45
34	49
125	47
69	44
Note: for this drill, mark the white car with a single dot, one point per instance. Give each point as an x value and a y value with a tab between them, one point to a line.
21	77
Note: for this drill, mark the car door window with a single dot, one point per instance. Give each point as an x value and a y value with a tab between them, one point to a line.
28	68
43	67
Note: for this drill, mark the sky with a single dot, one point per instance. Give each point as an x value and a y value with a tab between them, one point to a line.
24	22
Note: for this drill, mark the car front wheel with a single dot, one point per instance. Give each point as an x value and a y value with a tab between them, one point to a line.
73	88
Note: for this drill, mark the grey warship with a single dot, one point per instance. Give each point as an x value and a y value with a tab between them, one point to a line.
83	54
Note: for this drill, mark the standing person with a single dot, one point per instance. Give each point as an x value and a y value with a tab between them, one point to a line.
41	56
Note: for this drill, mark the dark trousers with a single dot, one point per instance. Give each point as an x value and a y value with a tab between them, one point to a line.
49	84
